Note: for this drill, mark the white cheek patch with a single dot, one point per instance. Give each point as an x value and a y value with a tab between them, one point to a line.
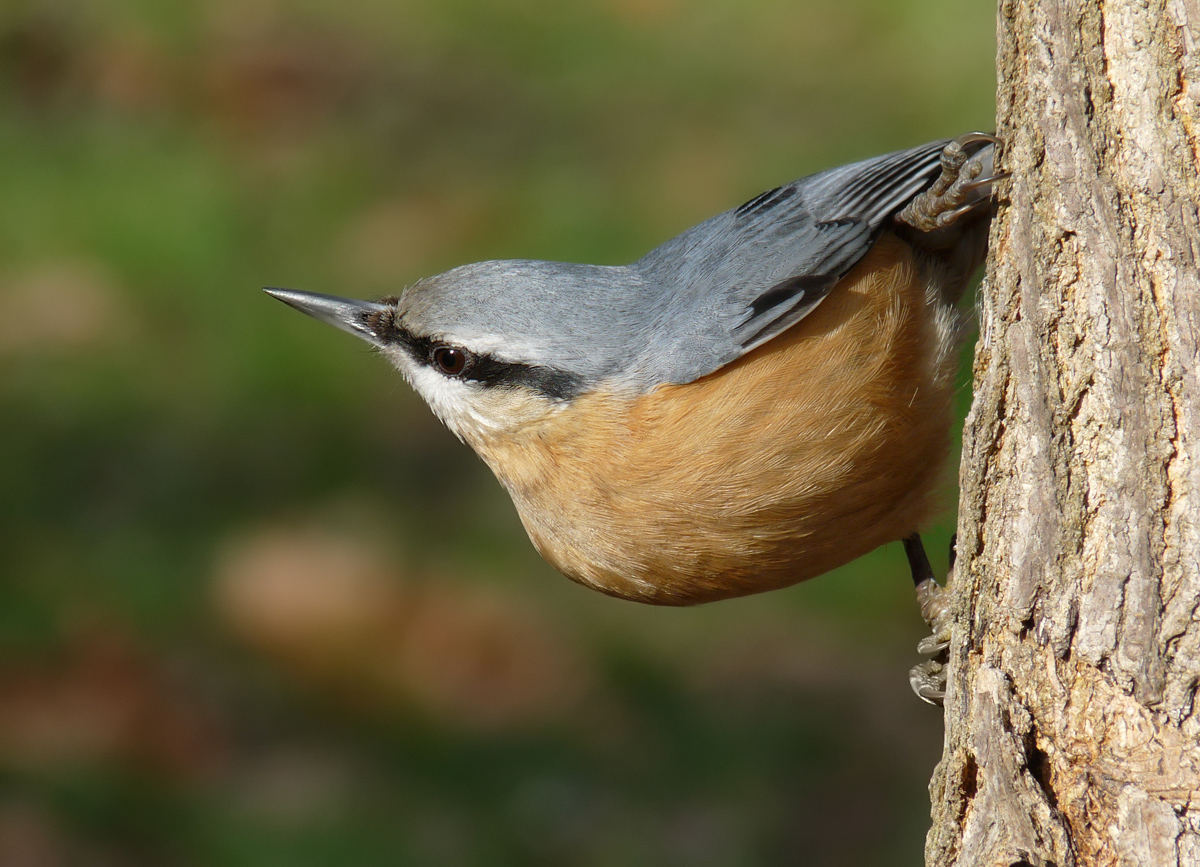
471	409
452	400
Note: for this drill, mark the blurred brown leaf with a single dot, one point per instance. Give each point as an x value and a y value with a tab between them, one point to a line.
315	600
271	84
331	612
484	660
61	305
103	700
130	72
29	837
39	54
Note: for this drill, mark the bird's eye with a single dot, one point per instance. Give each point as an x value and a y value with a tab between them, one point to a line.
450	360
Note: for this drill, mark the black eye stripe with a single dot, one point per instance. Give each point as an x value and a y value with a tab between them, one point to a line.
552	382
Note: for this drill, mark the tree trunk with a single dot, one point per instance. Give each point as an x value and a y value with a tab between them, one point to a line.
1071	732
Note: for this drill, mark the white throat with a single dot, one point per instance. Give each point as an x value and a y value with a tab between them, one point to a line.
471	410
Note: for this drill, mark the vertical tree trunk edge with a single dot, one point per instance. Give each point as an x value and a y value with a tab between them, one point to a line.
1071	732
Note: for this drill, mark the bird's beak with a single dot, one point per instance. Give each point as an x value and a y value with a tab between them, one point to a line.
356	317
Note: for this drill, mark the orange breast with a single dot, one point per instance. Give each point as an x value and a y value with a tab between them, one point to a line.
811	450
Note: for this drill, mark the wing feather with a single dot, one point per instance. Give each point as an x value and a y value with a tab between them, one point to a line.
739	279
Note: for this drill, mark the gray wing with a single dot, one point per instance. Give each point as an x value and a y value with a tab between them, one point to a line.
737	280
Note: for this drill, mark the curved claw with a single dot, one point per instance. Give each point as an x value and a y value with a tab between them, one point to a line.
983	182
932	645
949	217
970	138
928	681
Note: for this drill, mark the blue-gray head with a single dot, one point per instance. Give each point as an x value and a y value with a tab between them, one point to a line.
495	345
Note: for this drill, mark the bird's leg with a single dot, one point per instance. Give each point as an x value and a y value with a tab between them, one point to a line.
928	678
964	185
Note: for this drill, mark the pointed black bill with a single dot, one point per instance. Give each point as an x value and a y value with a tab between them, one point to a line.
355	317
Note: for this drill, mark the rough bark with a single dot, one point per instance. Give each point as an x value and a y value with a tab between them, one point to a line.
1071	732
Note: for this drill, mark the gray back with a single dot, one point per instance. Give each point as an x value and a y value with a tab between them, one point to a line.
690	306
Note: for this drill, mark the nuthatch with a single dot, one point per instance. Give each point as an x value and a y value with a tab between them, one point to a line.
757	401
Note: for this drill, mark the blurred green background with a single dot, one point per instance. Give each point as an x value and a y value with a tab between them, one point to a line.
256	606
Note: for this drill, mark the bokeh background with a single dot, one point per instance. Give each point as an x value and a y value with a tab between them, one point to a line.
256	606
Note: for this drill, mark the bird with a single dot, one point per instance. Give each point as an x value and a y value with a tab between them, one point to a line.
751	404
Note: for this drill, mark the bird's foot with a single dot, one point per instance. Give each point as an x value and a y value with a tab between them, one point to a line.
928	678
964	185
